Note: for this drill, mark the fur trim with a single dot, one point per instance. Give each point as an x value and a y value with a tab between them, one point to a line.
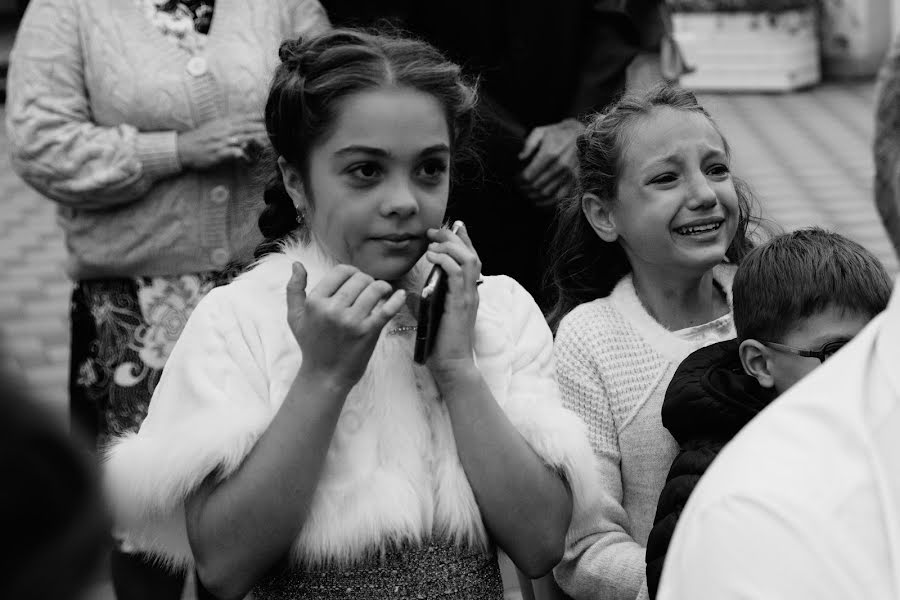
559	437
147	477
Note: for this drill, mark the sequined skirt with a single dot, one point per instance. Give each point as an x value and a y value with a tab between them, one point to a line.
435	570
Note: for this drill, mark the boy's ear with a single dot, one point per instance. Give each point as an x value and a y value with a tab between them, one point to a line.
755	360
599	214
293	183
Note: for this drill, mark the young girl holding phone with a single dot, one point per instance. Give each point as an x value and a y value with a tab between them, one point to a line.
293	446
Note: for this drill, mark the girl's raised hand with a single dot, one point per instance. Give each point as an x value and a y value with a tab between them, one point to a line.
453	348
337	324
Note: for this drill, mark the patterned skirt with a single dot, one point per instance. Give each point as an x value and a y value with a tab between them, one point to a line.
438	570
122	333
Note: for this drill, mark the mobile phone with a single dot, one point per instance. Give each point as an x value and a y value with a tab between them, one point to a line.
431	307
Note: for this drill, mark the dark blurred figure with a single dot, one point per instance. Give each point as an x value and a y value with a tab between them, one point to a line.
542	65
55	526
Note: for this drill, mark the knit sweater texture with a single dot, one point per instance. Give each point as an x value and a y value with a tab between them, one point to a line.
96	97
614	363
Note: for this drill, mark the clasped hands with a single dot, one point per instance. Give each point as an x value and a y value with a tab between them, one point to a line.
235	137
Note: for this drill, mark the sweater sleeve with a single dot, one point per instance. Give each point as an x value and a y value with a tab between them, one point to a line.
207	412
601	560
54	144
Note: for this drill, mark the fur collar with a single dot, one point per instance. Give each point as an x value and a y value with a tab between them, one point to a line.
392	473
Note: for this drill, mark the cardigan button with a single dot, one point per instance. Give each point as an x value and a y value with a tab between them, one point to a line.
219	257
219	194
197	66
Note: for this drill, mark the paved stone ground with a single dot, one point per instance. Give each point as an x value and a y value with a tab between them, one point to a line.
807	155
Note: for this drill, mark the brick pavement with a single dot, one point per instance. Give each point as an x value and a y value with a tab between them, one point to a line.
807	155
34	301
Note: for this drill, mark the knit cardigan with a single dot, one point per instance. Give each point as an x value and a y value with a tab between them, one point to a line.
392	473
96	96
614	363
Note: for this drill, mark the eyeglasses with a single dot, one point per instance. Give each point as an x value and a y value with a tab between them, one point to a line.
823	353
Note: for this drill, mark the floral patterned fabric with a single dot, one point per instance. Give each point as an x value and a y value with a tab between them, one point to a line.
123	330
186	21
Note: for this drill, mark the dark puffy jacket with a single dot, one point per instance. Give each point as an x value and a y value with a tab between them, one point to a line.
708	401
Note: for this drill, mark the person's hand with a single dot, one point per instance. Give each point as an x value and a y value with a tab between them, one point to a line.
552	161
337	324
236	137
453	349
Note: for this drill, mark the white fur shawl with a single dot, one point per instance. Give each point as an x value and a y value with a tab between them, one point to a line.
392	472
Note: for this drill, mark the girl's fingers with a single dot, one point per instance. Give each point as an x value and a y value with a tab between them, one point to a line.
458	246
333	280
350	290
296	289
459	251
369	298
386	311
459	279
446	262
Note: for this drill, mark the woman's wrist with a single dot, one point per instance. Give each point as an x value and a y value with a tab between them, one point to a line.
183	151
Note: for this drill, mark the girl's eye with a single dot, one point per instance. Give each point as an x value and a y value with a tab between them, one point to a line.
719	170
365	171
433	170
664	178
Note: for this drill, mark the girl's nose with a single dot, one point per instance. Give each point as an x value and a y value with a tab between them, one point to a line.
400	200
702	195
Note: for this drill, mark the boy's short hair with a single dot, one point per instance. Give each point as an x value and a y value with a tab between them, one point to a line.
795	275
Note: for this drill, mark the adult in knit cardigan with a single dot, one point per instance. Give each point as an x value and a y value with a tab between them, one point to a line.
141	140
709	400
99	102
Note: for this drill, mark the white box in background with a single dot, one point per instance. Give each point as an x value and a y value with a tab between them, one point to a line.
744	51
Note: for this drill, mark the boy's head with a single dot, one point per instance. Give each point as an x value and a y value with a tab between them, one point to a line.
809	291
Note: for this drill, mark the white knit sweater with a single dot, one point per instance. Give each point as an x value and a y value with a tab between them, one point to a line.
614	363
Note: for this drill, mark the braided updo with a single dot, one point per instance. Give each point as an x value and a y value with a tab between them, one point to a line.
315	74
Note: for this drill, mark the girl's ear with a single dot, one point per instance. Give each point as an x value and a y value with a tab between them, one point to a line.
599	214
293	184
755	360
